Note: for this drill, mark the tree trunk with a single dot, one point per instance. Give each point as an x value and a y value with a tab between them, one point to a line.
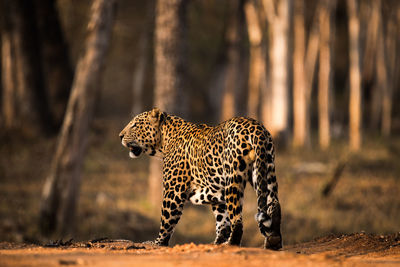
141	68
55	57
169	93
387	46
382	77
8	69
369	55
310	63
257	62
355	80
216	88
396	67
312	52
278	20
61	190
300	103
324	80
242	78
139	74
369	62
169	56
25	102
232	68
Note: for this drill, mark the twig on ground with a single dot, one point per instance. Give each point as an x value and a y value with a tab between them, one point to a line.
337	173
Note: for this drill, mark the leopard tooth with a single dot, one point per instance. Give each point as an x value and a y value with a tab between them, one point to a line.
132	155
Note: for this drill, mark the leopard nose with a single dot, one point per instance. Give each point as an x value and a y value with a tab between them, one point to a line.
121	136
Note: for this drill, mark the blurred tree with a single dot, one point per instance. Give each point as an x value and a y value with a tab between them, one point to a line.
233	60
227	88
8	68
369	59
275	115
257	61
324	81
299	84
57	69
24	98
355	79
169	92
380	62
215	89
311	56
61	189
242	79
305	57
383	85
388	54
142	63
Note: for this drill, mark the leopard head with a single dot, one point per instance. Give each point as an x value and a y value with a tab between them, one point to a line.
142	135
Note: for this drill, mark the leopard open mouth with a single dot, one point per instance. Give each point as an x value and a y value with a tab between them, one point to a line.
135	150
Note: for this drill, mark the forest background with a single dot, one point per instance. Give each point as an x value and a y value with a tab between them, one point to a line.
321	75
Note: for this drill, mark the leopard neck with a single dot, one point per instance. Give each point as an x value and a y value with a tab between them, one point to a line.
171	130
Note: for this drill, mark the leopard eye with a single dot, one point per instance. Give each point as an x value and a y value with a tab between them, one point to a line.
133	125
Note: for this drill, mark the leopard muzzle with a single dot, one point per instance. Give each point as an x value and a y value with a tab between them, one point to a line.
134	150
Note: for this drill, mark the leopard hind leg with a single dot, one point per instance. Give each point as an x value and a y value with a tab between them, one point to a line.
237	176
222	223
268	214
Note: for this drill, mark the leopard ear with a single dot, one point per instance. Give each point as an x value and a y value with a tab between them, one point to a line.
155	112
157	116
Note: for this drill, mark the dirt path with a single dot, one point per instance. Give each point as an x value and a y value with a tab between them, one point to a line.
347	250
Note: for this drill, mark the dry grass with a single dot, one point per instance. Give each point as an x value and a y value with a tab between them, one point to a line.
113	198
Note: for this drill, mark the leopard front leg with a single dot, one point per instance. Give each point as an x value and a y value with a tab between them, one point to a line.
222	223
176	183
171	212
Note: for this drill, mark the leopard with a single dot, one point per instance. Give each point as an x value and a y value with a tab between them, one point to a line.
210	165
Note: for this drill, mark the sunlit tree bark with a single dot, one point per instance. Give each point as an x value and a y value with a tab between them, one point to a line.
324	81
299	83
277	14
355	79
310	63
257	62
